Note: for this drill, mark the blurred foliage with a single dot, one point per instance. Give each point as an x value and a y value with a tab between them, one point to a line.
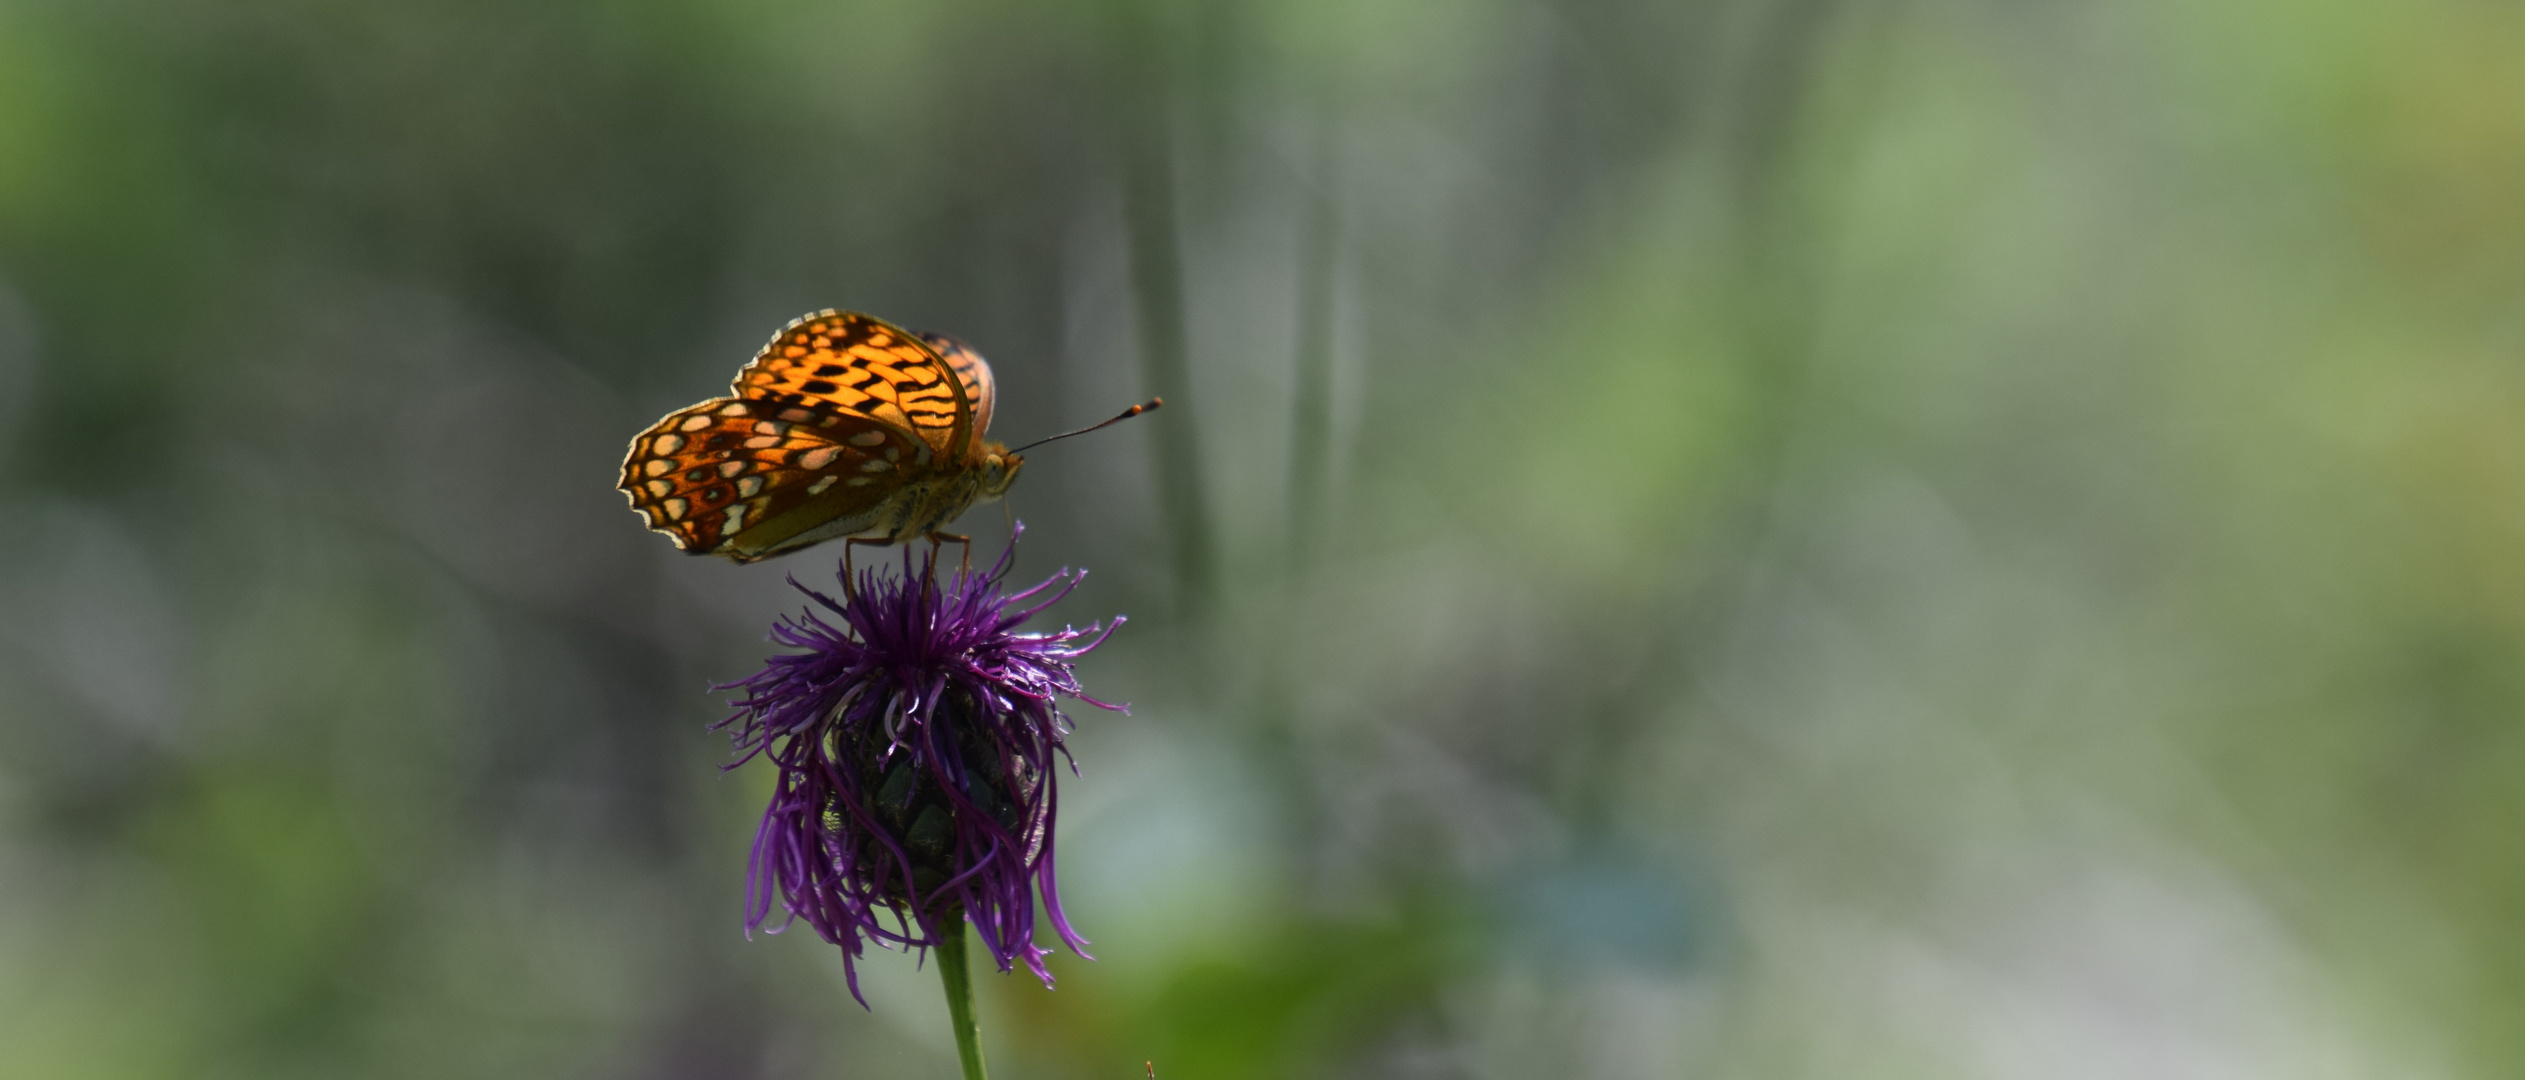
1746	538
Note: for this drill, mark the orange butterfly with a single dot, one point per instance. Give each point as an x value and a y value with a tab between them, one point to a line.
844	426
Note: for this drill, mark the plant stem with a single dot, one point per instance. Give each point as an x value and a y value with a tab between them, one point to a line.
1157	287
1311	423
959	982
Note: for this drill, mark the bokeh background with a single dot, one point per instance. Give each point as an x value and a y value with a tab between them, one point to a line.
1692	538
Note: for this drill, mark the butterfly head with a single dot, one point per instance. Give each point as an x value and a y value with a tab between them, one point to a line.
998	470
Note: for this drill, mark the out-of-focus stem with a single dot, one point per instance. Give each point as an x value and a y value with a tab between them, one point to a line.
959	982
1311	422
1158	287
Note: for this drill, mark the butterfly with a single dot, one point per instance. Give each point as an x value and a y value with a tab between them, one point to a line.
844	425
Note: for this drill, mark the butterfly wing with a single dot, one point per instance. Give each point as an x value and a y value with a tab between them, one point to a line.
974	372
860	365
746	479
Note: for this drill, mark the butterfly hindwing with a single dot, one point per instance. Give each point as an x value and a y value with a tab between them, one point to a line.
861	365
740	478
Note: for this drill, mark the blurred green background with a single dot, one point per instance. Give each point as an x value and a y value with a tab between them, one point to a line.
1730	539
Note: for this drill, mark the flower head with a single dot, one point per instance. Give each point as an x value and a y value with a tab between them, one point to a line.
915	744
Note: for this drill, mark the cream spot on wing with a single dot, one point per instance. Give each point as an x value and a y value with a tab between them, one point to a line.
769	427
658	467
746	488
817	488
868	438
795	415
762	442
661	488
924	455
819	457
666	444
861	481
694	423
733	408
894	453
730	468
736	519
675	509
829	421
876	466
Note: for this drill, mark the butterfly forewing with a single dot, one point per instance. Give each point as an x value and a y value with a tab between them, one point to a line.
860	365
974	373
738	478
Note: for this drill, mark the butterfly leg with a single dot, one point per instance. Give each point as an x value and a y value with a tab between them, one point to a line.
939	540
850	577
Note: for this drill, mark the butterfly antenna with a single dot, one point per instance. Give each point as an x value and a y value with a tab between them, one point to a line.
1150	406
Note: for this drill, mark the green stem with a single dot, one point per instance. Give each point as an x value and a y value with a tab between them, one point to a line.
1157	285
959	981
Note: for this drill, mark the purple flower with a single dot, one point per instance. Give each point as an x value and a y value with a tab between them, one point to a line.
915	744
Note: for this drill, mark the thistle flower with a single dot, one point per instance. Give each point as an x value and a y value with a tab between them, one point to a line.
915	743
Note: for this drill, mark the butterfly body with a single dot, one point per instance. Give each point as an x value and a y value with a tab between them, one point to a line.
843	426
